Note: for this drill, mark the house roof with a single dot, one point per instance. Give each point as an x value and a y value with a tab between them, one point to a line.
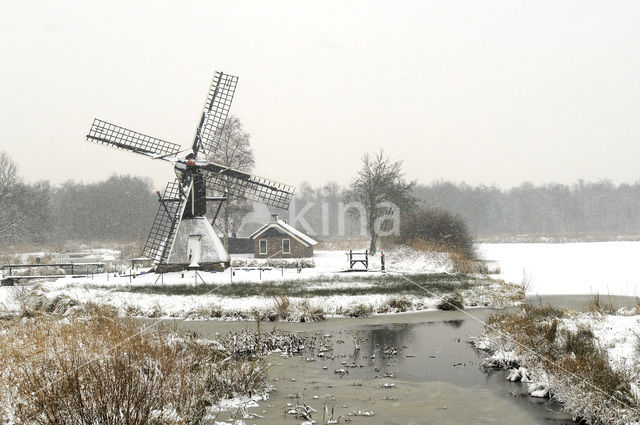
288	229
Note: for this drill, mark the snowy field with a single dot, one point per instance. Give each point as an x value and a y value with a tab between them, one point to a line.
329	269
609	268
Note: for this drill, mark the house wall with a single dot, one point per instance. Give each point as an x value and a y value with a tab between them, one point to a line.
274	244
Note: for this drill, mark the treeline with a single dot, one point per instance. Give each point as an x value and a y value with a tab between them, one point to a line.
582	208
120	208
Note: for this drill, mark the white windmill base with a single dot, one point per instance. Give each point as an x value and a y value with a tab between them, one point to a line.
196	247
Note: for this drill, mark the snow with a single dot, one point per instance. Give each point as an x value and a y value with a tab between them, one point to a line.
328	270
400	259
569	268
290	229
615	333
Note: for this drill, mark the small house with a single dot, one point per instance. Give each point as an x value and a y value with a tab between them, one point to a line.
277	239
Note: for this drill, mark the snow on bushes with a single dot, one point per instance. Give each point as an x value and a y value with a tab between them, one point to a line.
567	356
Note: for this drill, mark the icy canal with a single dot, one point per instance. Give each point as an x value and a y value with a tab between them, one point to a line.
434	376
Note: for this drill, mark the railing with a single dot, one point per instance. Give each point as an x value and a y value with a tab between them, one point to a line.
358	257
72	266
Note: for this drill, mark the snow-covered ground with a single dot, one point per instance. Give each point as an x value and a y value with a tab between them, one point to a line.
327	273
328	270
569	268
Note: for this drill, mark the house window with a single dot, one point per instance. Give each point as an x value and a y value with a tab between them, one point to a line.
262	249
286	246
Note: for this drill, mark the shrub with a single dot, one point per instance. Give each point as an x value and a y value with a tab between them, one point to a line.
305	312
579	343
598	305
282	306
132	310
212	310
61	304
156	311
399	304
440	228
358	310
451	302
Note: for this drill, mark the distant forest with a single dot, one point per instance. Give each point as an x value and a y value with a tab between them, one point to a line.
580	209
121	208
118	209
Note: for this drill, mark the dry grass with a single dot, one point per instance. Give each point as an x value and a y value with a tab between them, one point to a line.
461	261
105	369
600	305
573	361
636	343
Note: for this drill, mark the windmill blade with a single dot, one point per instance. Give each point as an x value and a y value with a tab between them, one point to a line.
122	138
214	114
165	225
253	188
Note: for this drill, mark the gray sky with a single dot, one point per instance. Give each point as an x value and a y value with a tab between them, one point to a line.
483	92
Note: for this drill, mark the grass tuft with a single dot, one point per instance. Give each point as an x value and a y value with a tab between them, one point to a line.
451	302
282	307
598	305
357	310
398	304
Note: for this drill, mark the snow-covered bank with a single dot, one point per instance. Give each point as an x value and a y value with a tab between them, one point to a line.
324	289
587	361
569	268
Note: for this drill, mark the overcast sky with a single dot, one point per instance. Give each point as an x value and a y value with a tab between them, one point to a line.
492	92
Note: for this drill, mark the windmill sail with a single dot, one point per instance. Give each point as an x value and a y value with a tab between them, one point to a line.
238	183
165	225
176	233
214	114
123	138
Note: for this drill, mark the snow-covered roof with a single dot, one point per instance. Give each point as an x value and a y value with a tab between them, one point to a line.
292	231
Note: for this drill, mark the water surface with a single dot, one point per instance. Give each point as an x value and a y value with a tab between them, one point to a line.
435	377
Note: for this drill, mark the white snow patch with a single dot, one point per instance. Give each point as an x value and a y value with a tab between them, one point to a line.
569	268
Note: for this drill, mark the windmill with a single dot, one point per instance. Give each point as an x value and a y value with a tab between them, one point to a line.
181	235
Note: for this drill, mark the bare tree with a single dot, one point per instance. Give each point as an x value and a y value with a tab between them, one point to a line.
235	152
380	182
9	183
